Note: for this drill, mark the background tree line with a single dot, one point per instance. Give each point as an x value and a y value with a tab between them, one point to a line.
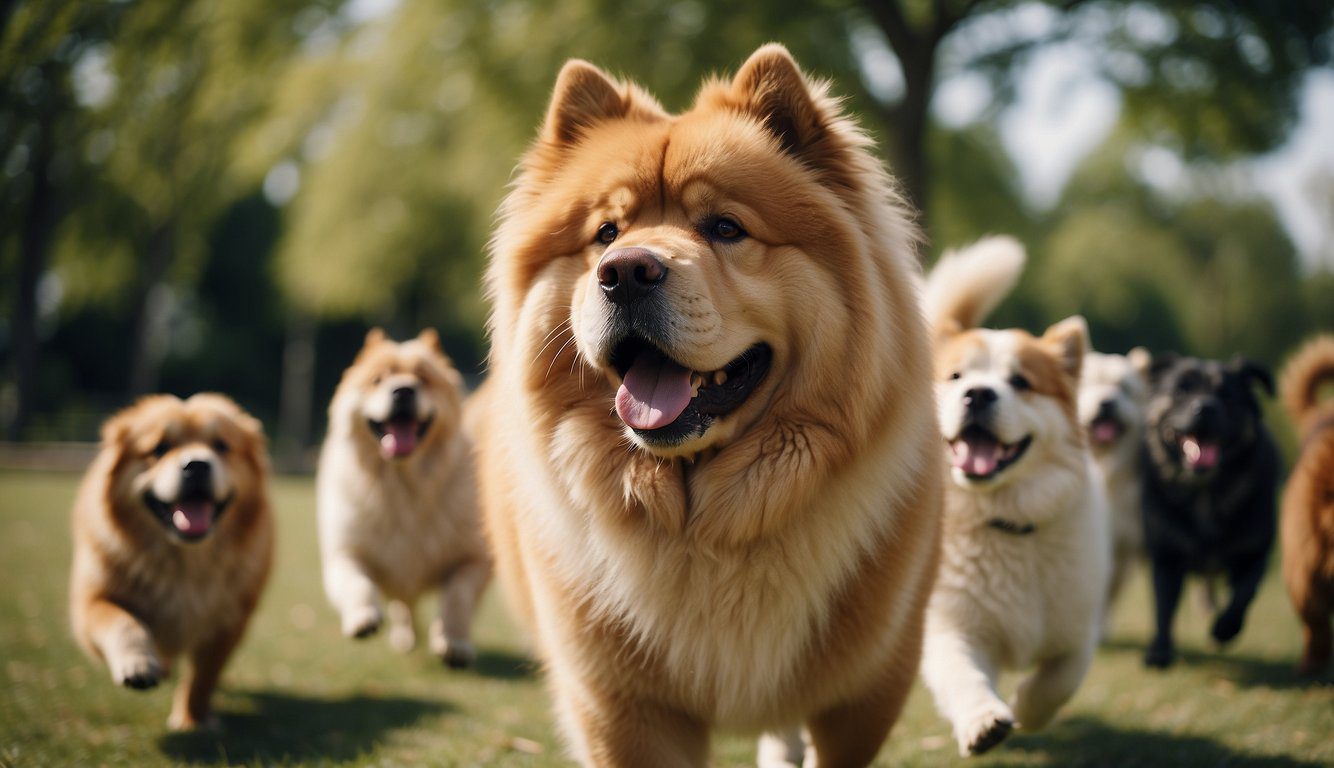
224	194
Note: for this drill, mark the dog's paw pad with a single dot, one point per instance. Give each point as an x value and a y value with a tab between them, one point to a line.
139	672
362	622
985	732
1225	629
459	654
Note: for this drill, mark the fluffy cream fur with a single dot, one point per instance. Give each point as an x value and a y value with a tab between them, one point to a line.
396	528
1029	596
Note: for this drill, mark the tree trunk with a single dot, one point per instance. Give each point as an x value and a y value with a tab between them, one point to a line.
37	226
909	127
298	387
149	345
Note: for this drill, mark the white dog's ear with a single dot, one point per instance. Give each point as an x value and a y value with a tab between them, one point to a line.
1068	340
374	337
1141	360
431	339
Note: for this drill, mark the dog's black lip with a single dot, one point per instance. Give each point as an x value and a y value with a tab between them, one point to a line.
1002	465
162	510
744	374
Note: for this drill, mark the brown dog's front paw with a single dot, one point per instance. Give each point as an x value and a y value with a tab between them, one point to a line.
137	670
459	654
185	722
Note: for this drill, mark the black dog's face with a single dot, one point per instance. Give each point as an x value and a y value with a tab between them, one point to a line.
1203	412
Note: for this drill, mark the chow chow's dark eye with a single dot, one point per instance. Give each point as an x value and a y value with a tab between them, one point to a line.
608	232
956	376
1020	383
726	229
220	446
161	448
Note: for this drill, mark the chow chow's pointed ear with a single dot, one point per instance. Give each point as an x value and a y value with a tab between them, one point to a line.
116	429
431	339
374	337
1141	360
584	95
772	87
1068	340
1254	372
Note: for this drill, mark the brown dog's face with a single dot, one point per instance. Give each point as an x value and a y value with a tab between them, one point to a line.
1007	400
185	463
703	265
399	396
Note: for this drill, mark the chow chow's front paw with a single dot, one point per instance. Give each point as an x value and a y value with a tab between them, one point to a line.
362	622
139	670
984	730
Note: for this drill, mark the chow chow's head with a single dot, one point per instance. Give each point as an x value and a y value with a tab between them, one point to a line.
396	398
1202	413
1113	393
696	271
1007	401
185	463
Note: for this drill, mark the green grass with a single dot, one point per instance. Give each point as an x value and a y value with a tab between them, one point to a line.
297	693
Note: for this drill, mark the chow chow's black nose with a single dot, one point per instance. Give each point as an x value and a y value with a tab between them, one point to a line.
1106	410
629	274
403	395
195	475
979	398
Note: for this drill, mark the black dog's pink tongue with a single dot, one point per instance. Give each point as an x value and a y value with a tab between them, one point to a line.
1199	454
975	454
653	393
400	439
194	517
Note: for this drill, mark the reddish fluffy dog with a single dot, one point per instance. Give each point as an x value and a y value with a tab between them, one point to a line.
172	543
709	456
1308	501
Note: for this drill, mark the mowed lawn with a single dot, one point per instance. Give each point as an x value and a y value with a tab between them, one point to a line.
297	693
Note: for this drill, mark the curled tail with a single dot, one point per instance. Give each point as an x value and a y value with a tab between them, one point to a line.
1305	372
966	285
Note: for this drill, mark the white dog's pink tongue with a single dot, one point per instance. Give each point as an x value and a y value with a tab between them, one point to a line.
653	393
1199	455
1106	431
400	438
194	517
974	456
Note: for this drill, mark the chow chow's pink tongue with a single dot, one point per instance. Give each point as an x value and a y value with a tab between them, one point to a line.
1106	431
653	393
194	517
400	438
976	457
1199	455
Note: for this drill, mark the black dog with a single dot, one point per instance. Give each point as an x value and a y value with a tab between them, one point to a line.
1211	474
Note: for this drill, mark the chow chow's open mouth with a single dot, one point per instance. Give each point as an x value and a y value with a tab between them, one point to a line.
1105	430
981	455
663	400
399	435
1199	455
191	517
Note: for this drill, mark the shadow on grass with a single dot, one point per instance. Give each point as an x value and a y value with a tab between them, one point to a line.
504	665
1085	741
1246	671
285	727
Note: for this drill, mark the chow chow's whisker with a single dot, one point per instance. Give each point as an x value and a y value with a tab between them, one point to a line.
556	357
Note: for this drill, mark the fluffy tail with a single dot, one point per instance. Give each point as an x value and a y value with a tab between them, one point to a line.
966	285
1312	366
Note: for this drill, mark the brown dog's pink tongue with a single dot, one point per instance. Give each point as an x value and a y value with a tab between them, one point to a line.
654	392
194	517
400	438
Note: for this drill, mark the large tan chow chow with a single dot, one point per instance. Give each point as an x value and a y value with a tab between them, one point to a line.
1026	548
709	457
397	499
1307	524
172	543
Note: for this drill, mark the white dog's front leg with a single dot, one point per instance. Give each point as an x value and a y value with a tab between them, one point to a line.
353	595
962	679
1052	684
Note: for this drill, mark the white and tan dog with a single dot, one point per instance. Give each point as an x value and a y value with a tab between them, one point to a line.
1113	393
397	497
1025	559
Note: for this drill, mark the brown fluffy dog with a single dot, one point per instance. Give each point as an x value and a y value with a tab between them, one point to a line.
1308	501
709	455
172	543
